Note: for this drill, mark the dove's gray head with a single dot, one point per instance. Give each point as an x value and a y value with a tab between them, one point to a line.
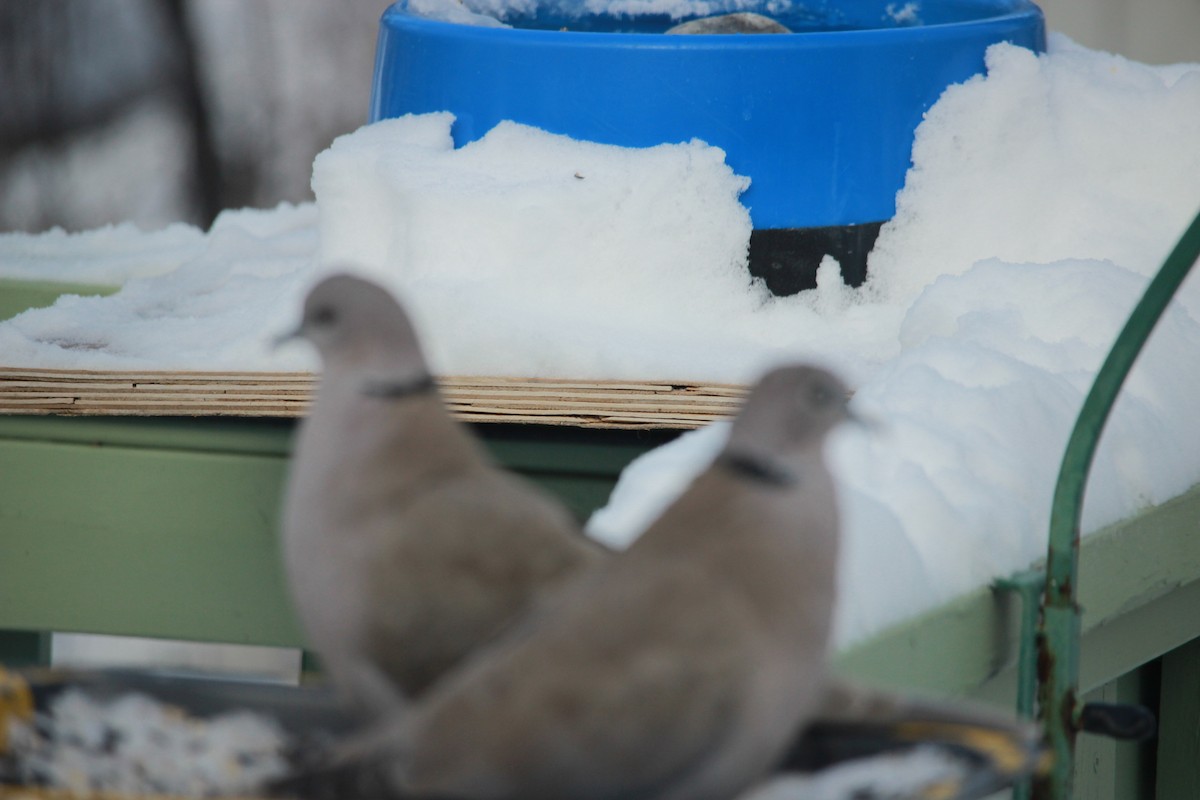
355	323
789	410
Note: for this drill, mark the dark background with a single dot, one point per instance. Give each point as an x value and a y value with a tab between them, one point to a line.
154	111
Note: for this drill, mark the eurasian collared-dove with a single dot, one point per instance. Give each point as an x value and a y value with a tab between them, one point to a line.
677	671
404	547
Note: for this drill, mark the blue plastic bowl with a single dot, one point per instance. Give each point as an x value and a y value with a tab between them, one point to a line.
821	121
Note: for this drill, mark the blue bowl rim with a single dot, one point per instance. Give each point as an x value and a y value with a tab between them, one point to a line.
1023	10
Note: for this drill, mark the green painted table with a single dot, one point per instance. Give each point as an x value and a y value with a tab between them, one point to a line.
21	295
168	527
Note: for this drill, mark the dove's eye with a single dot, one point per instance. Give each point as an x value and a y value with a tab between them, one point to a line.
323	316
822	396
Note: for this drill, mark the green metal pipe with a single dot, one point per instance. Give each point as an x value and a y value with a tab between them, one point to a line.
1058	637
1027	586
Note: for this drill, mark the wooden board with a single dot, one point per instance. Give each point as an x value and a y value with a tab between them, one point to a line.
598	404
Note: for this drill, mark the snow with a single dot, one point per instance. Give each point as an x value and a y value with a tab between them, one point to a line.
955	489
107	256
1041	199
216	310
549	230
451	11
1078	154
920	772
235	661
135	745
906	14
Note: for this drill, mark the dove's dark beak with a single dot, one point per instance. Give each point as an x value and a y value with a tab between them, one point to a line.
871	424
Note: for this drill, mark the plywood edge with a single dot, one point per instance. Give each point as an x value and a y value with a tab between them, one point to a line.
549	401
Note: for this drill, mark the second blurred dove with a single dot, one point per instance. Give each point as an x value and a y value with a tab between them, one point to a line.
681	669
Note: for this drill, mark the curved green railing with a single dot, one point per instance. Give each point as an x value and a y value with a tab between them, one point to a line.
1058	634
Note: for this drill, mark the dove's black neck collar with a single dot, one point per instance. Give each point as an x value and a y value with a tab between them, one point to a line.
397	389
756	469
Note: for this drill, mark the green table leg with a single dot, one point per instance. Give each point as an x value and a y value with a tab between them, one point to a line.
24	648
1107	769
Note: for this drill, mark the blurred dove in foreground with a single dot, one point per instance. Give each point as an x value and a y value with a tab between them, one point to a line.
404	547
679	670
